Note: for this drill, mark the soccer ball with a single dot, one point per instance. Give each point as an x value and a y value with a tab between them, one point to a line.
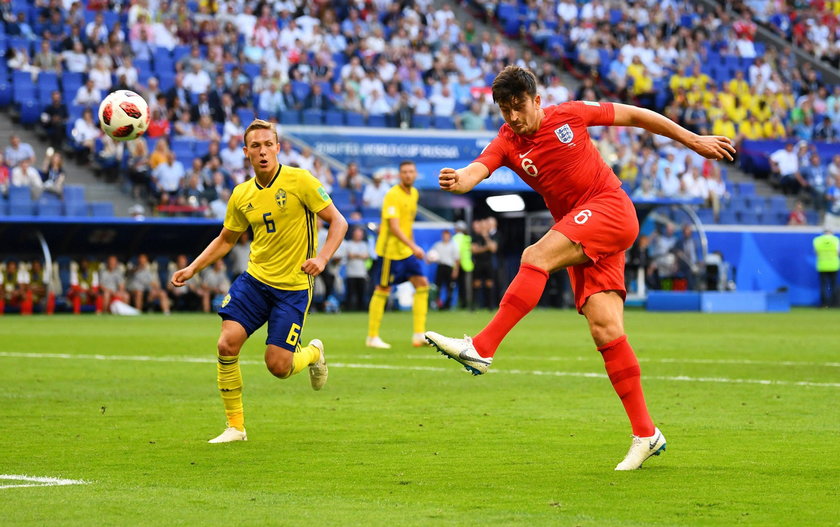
123	115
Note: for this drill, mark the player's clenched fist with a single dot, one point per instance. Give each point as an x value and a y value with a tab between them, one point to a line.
313	266
448	179
181	276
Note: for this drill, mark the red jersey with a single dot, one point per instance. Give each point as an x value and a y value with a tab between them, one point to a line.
559	161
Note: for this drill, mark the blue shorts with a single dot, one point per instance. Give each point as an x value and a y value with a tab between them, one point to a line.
252	303
386	271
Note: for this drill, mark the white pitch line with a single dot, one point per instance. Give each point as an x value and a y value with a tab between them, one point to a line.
38	481
679	378
641	359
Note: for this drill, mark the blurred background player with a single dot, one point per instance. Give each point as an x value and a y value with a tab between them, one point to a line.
596	223
484	248
399	258
279	205
112	282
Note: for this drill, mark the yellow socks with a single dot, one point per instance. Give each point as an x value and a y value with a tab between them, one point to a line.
303	357
376	310
230	387
420	308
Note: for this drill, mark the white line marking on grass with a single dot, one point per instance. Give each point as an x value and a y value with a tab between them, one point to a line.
38	481
679	378
641	359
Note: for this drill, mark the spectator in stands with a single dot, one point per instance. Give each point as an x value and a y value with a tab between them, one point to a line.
25	175
197	80
144	286
374	192
75	59
4	176
323	173
159	124
206	130
160	153
88	94
348	178
54	120
645	191
96	32
290	100
797	215
12	281
232	155
129	72
139	171
166	178
473	118
317	99
84	133
183	127
46	59
814	177
53	174
784	169
101	77
288	155
352	102
18	151
112	282
271	100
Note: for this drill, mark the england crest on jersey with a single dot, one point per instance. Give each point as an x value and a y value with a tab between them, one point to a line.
564	134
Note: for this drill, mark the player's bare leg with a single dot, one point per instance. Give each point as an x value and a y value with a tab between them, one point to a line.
605	313
229	377
552	252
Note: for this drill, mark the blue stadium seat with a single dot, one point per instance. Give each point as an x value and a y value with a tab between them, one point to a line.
20	201
289	117
331	118
180	51
354	119
251	69
75	207
201	148
300	89
728	217
74	192
706	215
444	122
102	209
377	121
506	12
744	188
421	121
182	147
48	207
5	93
30	112
313	117
748	217
4	206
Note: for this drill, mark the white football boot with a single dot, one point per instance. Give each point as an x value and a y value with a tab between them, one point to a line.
462	350
378	343
229	435
318	370
418	340
641	449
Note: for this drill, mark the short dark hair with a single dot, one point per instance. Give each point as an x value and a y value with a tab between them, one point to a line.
514	83
407	162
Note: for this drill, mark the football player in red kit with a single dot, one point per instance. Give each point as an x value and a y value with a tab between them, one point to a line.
550	149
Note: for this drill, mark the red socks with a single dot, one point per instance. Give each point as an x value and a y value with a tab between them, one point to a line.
624	372
521	297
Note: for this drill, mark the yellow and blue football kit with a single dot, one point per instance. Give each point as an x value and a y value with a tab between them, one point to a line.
274	289
396	262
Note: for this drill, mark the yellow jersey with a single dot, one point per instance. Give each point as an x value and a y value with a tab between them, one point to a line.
403	206
282	217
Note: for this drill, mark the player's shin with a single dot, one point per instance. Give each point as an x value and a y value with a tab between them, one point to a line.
376	310
625	375
303	357
420	308
230	388
521	297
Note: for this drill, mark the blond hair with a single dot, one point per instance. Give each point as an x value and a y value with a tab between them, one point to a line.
260	124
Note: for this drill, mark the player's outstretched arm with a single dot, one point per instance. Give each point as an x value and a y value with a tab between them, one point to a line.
709	146
463	179
220	246
335	235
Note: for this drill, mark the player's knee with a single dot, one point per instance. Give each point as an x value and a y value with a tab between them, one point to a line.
227	347
533	256
280	367
604	332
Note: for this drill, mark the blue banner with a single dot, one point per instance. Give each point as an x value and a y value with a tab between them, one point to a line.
503	179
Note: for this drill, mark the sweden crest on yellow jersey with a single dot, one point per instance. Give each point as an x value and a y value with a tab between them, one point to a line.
280	198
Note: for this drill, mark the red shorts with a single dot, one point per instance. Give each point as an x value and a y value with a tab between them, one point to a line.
606	226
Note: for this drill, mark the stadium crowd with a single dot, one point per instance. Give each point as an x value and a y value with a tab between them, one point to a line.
207	68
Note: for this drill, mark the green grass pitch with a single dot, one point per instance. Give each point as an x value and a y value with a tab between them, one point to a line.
750	405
